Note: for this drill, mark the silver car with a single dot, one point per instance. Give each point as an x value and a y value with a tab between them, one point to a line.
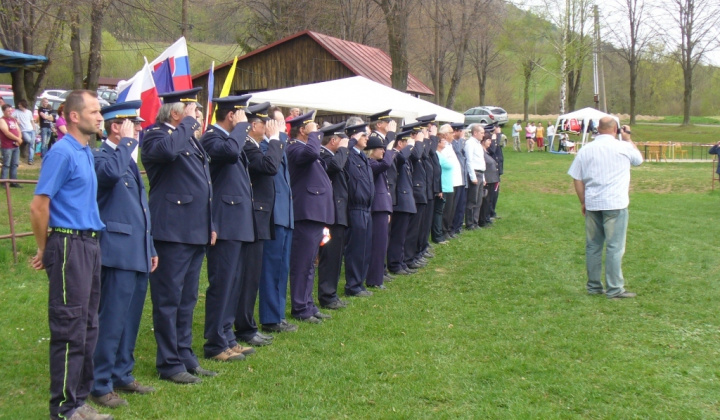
486	115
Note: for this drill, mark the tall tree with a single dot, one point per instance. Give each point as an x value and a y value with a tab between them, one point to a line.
483	51
97	16
397	13
633	35
23	25
698	22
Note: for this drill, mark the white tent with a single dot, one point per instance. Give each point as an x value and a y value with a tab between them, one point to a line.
583	116
355	95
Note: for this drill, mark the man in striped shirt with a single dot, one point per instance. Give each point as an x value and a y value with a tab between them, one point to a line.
601	173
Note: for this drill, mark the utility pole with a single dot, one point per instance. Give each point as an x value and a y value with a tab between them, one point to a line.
184	26
436	64
596	53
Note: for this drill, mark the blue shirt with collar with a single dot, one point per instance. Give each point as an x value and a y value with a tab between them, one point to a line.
68	178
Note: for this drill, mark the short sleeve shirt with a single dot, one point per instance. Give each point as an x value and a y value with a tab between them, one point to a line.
67	177
43	122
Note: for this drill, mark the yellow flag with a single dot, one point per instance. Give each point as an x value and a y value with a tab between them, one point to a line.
226	86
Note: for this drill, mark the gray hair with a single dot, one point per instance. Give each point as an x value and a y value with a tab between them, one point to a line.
163	115
476	127
354	121
445	129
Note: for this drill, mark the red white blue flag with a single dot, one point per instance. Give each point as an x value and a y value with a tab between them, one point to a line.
141	87
173	64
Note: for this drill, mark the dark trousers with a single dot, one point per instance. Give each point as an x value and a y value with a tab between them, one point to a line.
244	317
72	264
495	200
378	248
460	201
274	278
486	209
413	233
448	213
224	265
122	297
174	293
474	202
425	228
305	243
437	219
396	244
357	250
330	264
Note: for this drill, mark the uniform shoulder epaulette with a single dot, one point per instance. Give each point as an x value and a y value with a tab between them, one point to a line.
212	130
154	128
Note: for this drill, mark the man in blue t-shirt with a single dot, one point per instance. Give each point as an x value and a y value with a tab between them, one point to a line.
65	201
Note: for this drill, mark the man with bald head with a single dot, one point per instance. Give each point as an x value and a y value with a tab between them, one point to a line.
601	173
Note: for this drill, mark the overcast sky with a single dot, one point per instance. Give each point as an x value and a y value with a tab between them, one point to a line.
610	15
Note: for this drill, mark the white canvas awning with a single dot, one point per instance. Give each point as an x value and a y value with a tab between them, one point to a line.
583	116
356	95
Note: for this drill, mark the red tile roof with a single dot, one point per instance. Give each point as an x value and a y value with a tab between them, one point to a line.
362	60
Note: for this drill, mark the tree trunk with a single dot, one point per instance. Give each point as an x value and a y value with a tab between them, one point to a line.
94	57
527	72
687	94
633	90
75	49
397	37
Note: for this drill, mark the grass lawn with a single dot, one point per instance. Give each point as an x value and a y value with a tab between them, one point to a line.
497	326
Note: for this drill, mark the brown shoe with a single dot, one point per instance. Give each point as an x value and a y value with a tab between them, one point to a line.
111	400
238	349
88	412
135	387
228	356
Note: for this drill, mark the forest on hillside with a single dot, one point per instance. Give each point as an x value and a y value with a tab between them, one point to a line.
470	52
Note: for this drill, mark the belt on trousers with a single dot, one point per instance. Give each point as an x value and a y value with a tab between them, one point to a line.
85	233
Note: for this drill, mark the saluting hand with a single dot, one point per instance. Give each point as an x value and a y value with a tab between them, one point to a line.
239	117
190	110
344	142
433	130
127	129
272	128
392	125
311	126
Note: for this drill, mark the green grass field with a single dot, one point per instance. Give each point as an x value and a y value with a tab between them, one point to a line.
497	326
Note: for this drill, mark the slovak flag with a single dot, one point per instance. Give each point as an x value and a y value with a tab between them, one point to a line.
141	87
171	69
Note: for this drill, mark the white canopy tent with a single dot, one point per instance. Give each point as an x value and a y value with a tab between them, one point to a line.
355	95
582	116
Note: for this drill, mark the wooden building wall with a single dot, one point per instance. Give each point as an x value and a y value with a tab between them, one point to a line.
298	61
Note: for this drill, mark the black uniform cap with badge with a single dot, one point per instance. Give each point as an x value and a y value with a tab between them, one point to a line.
185	96
354	129
412	127
457	126
380	116
334	130
259	111
232	102
427	120
303	119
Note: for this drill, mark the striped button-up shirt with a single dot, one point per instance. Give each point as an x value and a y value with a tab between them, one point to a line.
604	167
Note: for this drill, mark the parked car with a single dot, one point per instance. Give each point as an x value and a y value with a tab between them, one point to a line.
109	95
6	88
102	101
54	104
8	97
486	115
52	93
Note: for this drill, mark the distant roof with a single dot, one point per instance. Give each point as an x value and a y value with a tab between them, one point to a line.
11	61
109	81
370	62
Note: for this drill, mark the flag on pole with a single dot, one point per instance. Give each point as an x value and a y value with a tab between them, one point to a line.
176	62
227	85
211	88
141	87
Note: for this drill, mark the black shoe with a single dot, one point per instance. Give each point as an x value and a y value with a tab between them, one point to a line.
256	341
387	278
362	293
282	326
15	185
411	270
377	286
416	265
428	254
320	315
471	228
337	304
402	272
310	320
265	337
198	371
422	260
183	378
388	275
